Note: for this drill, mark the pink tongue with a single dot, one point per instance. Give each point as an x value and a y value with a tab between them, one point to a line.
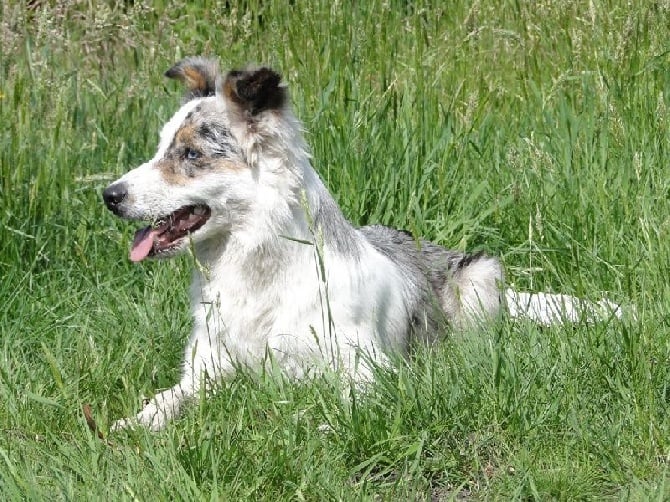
142	244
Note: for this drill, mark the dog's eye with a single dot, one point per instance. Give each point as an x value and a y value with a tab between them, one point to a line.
191	154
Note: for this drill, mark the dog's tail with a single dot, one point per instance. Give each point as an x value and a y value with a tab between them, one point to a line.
551	309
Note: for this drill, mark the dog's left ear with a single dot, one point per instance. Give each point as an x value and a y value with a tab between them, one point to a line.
198	73
255	91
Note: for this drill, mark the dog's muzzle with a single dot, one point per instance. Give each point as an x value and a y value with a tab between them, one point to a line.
114	195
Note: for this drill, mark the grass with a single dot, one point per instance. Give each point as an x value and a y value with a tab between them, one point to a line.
535	131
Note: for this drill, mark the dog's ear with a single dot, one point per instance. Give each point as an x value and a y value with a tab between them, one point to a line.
198	74
255	91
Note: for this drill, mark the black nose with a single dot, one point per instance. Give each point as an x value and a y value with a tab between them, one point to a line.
114	195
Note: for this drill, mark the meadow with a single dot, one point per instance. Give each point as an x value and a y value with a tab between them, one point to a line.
536	131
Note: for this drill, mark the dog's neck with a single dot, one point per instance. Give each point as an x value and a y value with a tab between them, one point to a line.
276	239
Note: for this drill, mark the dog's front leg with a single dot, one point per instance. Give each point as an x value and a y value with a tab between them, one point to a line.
205	364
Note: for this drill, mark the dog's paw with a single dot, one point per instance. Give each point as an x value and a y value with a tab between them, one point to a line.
156	414
155	417
123	424
150	417
325	428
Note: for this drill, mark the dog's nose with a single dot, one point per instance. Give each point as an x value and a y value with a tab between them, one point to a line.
114	195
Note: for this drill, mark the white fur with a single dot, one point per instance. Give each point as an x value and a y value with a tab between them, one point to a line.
551	309
259	288
479	290
256	289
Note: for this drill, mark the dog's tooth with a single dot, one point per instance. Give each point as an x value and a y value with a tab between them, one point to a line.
199	210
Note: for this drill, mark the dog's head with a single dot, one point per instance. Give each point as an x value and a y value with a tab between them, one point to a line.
221	159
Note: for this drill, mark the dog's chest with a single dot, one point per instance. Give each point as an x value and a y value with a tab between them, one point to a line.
243	319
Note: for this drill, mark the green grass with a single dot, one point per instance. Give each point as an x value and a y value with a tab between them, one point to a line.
538	131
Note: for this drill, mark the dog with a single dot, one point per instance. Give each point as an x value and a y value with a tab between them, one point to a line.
281	274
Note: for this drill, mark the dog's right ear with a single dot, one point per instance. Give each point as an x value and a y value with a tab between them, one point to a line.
255	91
198	73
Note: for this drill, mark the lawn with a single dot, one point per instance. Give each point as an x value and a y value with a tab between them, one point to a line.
536	131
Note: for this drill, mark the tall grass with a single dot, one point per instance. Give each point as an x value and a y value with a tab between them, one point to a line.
537	131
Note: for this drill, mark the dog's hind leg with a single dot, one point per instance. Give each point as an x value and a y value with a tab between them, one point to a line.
473	294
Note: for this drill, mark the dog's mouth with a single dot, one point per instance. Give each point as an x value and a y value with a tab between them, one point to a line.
166	233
